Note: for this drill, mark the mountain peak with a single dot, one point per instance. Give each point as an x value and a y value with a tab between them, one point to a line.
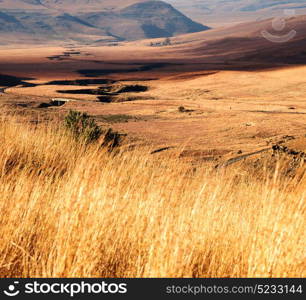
96	19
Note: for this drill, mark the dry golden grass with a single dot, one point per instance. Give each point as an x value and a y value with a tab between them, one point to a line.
67	210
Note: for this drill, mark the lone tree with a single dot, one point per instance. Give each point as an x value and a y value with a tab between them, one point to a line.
167	42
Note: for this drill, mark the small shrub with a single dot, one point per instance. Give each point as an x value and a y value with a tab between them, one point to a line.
167	42
82	126
181	109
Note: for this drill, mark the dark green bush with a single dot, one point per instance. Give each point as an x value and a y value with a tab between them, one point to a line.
167	42
82	126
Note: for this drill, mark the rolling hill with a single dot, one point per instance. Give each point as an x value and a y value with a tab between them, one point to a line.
222	12
88	21
245	44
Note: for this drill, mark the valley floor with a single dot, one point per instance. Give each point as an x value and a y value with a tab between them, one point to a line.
163	104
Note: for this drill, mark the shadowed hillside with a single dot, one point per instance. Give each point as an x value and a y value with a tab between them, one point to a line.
219	12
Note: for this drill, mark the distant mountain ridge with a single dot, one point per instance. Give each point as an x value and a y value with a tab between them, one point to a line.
89	21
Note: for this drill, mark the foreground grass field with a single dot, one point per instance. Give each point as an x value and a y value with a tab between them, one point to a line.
77	211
